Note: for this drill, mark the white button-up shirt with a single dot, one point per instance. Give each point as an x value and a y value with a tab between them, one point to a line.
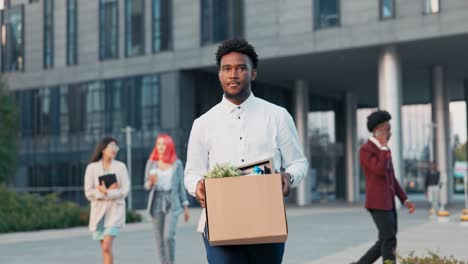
242	134
377	143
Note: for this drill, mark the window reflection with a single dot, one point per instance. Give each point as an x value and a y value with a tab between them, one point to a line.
108	29
221	20
135	27
387	9
162	27
48	34
326	14
72	32
431	6
12	39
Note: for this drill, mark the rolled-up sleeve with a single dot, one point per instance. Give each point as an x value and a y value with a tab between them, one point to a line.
91	192
292	155
197	158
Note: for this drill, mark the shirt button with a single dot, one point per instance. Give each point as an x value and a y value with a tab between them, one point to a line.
242	160
240	138
238	107
238	117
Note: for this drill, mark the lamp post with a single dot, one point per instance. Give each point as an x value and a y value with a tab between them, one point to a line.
128	141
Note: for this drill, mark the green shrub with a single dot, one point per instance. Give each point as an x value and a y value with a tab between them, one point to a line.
432	258
133	217
27	212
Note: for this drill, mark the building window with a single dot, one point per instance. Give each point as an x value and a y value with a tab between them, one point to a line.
387	9
150	101
131	91
75	102
162	25
134	28
326	14
48	34
108	29
431	6
64	111
41	111
221	20
13	39
72	32
25	102
114	100
95	108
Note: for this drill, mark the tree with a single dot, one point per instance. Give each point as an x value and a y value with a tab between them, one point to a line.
8	132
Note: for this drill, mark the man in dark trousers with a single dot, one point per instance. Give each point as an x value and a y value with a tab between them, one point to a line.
381	187
242	129
432	188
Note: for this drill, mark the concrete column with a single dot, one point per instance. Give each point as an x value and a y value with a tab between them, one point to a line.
170	100
351	157
301	107
466	149
441	119
390	99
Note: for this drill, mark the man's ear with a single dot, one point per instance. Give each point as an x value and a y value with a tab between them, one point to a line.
254	74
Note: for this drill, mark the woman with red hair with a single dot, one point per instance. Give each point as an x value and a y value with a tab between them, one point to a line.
164	178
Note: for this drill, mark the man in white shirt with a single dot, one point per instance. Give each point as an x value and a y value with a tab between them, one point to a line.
239	130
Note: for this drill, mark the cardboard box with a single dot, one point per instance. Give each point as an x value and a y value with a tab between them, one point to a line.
245	210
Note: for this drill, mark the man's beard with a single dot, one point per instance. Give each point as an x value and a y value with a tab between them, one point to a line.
244	92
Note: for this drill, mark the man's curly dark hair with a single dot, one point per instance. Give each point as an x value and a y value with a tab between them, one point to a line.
237	45
376	118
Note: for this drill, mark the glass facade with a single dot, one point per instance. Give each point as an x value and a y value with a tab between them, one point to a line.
387	9
221	20
108	29
323	149
134	27
326	14
48	34
13	39
326	148
161	25
72	32
60	126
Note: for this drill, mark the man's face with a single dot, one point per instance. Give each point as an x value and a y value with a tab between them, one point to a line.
235	74
384	129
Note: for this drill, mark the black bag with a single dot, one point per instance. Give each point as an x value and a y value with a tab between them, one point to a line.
108	179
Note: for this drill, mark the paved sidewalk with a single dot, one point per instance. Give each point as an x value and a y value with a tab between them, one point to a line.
445	239
328	234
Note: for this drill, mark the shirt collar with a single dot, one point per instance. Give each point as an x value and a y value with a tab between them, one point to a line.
376	142
229	107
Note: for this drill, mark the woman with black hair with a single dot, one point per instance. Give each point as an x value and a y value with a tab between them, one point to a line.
107	198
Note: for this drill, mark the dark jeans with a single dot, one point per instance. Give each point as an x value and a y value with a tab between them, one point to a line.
387	225
258	254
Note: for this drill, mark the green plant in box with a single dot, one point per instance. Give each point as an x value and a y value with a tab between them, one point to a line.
223	170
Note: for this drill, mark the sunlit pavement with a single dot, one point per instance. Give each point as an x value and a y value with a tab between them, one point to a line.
322	233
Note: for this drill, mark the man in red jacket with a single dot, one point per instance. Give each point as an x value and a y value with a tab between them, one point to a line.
381	187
